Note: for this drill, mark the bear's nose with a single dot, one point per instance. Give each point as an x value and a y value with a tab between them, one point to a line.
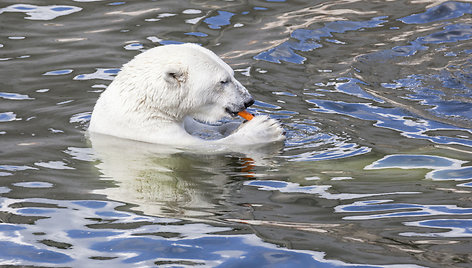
249	103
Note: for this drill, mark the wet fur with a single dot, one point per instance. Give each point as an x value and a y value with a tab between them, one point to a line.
158	94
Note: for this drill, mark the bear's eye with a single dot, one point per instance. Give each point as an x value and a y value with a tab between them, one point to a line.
224	82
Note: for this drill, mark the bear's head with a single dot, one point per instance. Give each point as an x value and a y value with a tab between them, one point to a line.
175	81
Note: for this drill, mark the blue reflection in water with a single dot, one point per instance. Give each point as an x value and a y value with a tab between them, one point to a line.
9	229
444	11
221	251
62	8
309	39
270	184
112	214
468	184
418	210
457	227
134	46
464	173
448	101
81	118
391	118
14	96
7	116
223	18
13	251
451	33
100	73
23	7
453	107
170	42
35	211
266	105
193	243
199	34
116	3
456	83
351	87
234	250
59	72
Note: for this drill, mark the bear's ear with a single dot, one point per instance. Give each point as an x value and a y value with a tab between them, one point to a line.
175	74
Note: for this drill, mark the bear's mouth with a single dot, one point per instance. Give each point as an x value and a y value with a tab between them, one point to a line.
234	113
235	109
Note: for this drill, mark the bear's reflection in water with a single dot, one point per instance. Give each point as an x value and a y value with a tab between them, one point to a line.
167	181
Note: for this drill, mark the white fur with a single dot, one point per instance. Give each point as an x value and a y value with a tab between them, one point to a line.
158	94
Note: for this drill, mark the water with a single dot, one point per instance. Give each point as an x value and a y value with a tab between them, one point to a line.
375	97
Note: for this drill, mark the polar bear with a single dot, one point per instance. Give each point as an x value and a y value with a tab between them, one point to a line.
167	93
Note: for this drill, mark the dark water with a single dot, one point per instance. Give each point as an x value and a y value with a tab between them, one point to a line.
375	97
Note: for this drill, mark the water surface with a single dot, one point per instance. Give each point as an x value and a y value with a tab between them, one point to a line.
375	97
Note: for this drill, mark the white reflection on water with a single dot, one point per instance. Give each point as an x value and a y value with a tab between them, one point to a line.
320	190
100	73
41	12
406	210
443	168
456	227
405	161
34	184
54	165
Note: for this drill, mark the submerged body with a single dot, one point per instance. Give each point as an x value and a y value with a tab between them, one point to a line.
160	94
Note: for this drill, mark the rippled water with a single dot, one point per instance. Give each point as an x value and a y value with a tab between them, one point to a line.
375	97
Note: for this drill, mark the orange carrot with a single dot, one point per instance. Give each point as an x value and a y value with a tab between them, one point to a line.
246	115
